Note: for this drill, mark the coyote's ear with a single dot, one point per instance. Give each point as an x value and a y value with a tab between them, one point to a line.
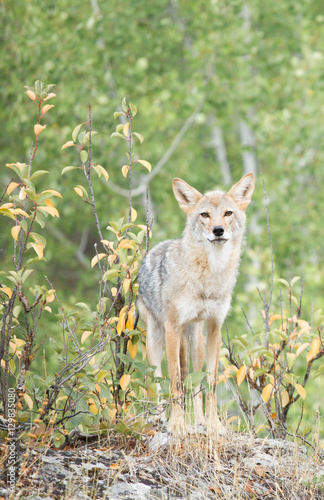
242	191
186	195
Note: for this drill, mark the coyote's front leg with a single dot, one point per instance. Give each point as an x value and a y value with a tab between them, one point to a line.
173	341
213	346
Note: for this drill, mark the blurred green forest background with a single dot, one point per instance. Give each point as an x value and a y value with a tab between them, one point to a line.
222	88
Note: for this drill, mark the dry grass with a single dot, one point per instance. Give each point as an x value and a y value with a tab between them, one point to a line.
154	466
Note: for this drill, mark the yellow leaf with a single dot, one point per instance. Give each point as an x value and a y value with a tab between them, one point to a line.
266	393
301	391
53	192
126	129
7	205
284	398
146	164
38	249
38	128
15	232
126	244
315	348
132	349
50	210
7	291
29	401
111	259
231	419
124	381
85	335
103	172
11	187
121	323
31	94
46	108
20	212
96	258
78	191
241	374
305	329
68	144
125	169
133	214
93	409
47	308
301	348
126	284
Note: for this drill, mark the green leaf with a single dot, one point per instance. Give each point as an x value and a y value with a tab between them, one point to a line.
76	131
284	282
38	173
193	380
124	357
26	274
84	155
133	109
118	113
294	280
124	105
7	213
140	137
83	305
117	134
24	225
111	274
67	169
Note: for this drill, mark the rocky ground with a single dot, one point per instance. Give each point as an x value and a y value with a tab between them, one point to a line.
155	466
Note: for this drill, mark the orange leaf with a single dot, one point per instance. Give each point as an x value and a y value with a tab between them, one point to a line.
241	374
46	108
132	349
7	291
124	381
266	393
49	96
11	187
38	128
31	94
15	232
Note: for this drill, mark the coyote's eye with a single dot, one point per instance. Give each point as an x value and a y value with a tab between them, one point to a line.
228	213
205	215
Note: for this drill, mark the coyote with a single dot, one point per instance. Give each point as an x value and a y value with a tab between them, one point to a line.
185	281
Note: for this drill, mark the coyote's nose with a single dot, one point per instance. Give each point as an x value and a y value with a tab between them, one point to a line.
218	231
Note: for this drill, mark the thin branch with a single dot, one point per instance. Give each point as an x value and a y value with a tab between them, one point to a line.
165	158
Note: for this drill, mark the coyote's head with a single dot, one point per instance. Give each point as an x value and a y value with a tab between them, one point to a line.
215	217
